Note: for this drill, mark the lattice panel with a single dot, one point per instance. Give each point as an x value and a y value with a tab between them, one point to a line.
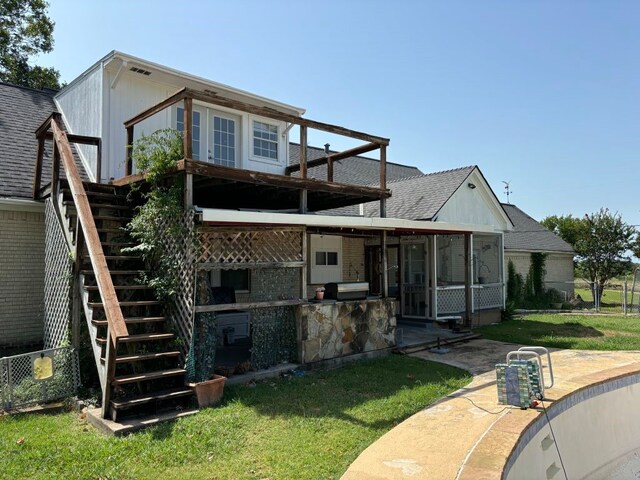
57	281
233	249
20	384
451	300
183	253
485	297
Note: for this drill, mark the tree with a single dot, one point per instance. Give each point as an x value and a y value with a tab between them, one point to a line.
602	242
25	31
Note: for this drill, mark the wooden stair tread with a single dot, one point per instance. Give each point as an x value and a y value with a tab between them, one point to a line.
110	218
94	288
146	356
145	337
94	193
134	303
141	377
111	230
142	337
116	272
130	320
116	257
142	399
113	206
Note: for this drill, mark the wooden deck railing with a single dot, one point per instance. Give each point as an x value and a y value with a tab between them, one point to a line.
187	95
63	156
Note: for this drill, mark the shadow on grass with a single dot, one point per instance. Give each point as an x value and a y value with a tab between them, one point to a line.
364	393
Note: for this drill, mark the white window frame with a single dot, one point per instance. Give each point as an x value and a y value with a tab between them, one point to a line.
211	114
279	141
321	274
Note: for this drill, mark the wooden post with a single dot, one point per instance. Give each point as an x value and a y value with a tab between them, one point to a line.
128	170
38	173
383	266
188	128
383	179
303	201
468	260
188	190
303	151
55	170
330	169
77	294
110	367
99	161
303	269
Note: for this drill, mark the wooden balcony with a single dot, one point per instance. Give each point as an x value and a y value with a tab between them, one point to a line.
215	186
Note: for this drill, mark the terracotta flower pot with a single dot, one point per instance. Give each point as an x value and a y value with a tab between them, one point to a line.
319	295
209	392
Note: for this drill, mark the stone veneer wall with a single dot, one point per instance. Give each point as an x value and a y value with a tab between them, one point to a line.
330	330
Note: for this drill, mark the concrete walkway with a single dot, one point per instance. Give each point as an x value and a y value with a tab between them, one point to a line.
468	435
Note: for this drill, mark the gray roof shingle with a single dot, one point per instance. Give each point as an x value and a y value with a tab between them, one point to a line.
22	111
353	170
421	197
529	235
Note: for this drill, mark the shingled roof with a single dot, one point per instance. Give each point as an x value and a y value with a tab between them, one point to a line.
354	170
22	111
529	235
421	197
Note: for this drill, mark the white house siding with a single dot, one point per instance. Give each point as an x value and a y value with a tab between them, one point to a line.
132	94
473	206
559	268
21	275
81	108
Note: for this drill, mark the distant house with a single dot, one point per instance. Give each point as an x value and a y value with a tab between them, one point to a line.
529	236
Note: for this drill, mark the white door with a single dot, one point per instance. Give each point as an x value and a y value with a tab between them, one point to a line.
224	139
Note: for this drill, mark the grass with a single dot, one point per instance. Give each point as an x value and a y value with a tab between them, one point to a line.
587	332
611	298
310	427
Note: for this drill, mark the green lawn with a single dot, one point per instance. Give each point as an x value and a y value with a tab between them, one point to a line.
611	298
311	427
588	332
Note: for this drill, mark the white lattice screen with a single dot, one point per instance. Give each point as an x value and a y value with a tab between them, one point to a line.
487	296
451	300
58	280
233	249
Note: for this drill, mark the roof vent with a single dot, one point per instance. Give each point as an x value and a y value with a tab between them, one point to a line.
141	71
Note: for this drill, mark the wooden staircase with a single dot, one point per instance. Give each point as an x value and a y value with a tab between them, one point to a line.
146	377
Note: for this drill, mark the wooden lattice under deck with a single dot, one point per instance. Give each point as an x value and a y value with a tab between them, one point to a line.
183	252
256	248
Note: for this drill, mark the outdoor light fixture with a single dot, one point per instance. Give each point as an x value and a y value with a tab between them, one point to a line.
471	185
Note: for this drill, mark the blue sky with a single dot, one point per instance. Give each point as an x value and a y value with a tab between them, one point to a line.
544	94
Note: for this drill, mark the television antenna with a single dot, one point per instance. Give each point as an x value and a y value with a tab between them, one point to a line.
507	190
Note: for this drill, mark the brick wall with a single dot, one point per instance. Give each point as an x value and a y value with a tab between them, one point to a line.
21	276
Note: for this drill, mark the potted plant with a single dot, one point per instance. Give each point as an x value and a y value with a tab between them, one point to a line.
320	293
210	391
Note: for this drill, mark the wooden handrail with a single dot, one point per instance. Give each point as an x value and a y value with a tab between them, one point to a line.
115	319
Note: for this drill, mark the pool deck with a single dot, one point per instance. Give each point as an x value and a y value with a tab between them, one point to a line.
468	435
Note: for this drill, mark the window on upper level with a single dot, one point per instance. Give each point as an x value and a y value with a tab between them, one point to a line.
265	140
224	144
195	130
